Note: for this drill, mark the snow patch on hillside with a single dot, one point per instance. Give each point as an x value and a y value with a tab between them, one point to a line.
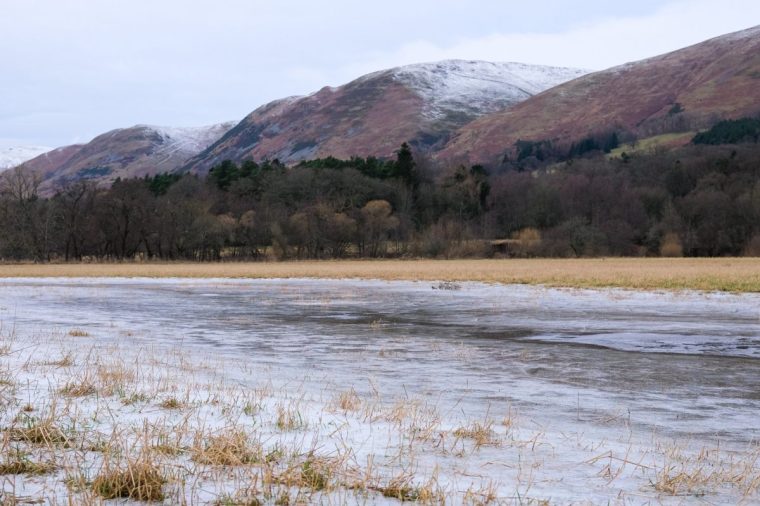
14	156
192	139
478	87
186	141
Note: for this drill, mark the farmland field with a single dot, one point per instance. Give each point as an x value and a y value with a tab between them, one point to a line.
720	274
247	391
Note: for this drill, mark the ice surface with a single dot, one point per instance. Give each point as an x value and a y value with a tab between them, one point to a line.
585	372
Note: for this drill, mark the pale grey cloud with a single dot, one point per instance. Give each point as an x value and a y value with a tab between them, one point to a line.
603	43
73	69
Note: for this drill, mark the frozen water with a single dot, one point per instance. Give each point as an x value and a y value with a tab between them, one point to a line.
580	366
660	354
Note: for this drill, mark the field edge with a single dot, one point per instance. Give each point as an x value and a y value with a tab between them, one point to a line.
702	274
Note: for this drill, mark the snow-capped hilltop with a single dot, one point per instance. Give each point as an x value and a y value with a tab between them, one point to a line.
479	87
14	156
141	150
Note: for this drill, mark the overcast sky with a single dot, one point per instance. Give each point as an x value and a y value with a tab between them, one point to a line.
72	69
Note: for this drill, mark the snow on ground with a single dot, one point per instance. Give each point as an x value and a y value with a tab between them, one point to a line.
353	391
479	87
13	156
186	141
193	139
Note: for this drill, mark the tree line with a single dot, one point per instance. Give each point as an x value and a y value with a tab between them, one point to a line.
699	200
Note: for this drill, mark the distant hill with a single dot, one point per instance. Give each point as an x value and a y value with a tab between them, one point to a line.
372	115
124	153
685	90
457	111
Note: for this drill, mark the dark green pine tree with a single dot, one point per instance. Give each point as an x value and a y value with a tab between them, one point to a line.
225	174
406	167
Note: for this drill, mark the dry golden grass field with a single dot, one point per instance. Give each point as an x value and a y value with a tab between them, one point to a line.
721	274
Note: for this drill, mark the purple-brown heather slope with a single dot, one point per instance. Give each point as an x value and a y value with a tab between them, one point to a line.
47	163
126	153
716	79
371	116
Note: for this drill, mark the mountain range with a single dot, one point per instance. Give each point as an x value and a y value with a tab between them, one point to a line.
372	115
455	111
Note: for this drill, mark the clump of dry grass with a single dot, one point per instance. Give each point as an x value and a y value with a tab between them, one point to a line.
672	482
687	474
289	418
40	432
171	403
168	449
140	480
238	500
105	379
486	494
314	472
403	488
18	462
134	398
283	499
78	333
5	380
67	360
419	420
481	434
113	378
346	401
510	420
76	483
402	410
26	467
401	491
95	444
228	448
81	387
251	408
5	349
